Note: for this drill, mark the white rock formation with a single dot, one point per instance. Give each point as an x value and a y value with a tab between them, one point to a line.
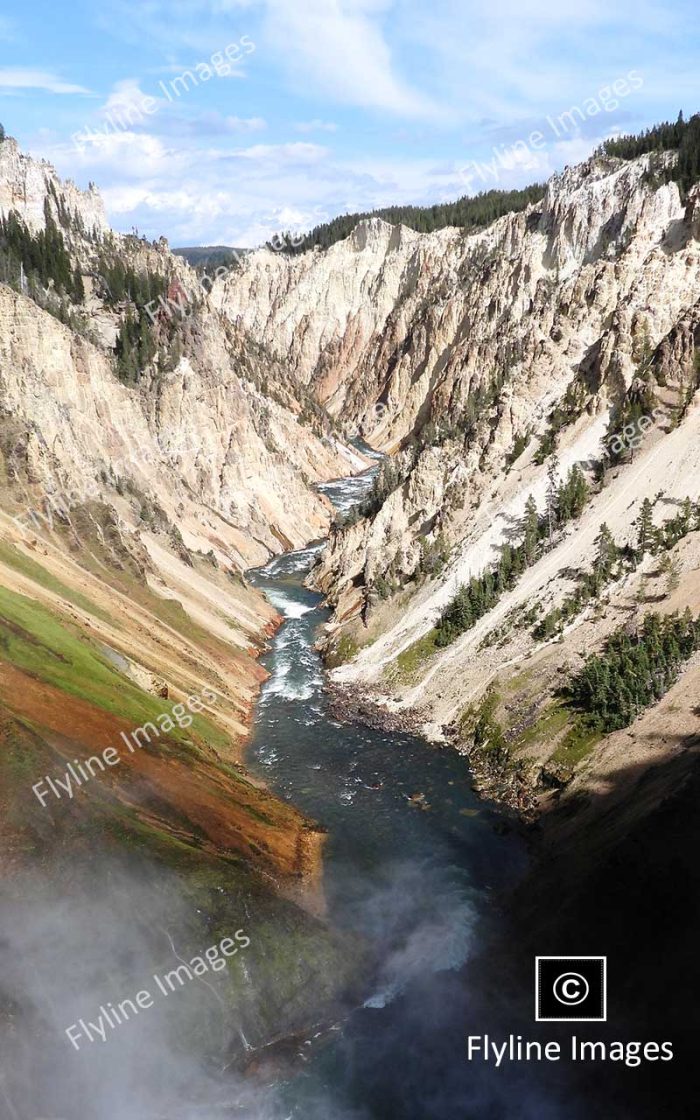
218	443
25	184
570	294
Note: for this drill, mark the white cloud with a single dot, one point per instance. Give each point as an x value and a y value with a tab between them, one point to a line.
15	78
200	195
127	95
128	109
245	124
297	153
338	47
107	155
316	125
515	59
213	195
174	26
197	194
195	171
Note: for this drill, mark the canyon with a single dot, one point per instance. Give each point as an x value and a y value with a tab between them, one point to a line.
558	316
129	517
149	462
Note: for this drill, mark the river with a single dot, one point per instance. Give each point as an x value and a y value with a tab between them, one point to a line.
417	883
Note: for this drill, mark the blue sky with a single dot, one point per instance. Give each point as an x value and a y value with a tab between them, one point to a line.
328	106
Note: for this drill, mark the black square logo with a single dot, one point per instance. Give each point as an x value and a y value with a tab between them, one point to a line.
571	989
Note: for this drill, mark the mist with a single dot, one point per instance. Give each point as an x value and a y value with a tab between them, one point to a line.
85	938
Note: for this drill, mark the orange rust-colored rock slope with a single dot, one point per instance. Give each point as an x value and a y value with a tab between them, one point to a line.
89	651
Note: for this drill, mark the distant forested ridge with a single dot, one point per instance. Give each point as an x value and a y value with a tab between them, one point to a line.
482	209
478	211
465	213
209	257
682	137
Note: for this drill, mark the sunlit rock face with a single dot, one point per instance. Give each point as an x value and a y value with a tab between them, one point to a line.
418	321
218	439
28	186
130	509
468	343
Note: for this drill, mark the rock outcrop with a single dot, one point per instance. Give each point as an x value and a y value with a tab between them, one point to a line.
419	321
150	452
30	187
480	355
215	433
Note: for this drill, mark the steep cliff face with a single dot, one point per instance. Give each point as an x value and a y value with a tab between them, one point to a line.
30	187
561	297
150	452
323	311
419	322
230	467
183	468
489	353
211	429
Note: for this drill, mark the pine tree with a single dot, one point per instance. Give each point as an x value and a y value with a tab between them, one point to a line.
634	670
552	495
606	554
505	568
573	495
671	568
645	527
578	488
78	286
466	212
531	530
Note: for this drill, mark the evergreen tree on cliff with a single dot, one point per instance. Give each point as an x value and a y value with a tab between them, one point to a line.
645	528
